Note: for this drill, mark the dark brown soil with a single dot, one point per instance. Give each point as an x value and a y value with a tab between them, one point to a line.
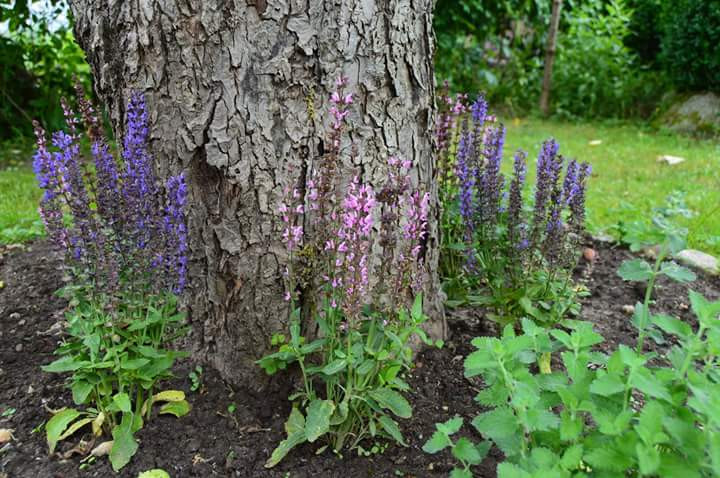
211	441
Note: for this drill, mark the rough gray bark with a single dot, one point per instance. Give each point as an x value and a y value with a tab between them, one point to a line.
231	86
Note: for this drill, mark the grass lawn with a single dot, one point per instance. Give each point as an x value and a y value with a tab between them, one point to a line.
19	194
627	180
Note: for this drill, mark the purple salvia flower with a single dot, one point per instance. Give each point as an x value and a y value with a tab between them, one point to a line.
492	181
570	184
176	245
577	201
544	185
516	228
48	177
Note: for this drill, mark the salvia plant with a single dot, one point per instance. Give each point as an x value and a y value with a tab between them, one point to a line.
124	239
515	258
363	314
629	413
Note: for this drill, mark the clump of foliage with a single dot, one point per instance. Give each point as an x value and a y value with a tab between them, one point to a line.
691	34
351	373
596	74
519	259
124	239
40	61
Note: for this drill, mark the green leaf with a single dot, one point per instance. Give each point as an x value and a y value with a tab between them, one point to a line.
393	401
648	458
178	409
75	427
80	391
134	364
122	400
417	308
437	442
460	473
677	272
65	364
57	425
607	385
672	326
648	383
334	367
156	473
124	444
572	458
293	440
391	427
464	450
295	422
318	419
451	426
635	270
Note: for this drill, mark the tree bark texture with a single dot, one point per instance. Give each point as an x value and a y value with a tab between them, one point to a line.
236	91
550	50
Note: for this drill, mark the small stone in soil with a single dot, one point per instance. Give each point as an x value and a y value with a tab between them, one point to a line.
22	322
18	348
14	316
628	309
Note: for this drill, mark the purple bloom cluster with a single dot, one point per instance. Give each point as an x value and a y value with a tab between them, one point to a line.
484	203
136	236
347	230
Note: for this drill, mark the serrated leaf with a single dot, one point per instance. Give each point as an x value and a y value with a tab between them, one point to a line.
648	458
460	473
317	422
672	326
451	426
437	442
677	272
607	385
645	381
572	457
392	429
57	425
178	409
465	450
635	270
392	400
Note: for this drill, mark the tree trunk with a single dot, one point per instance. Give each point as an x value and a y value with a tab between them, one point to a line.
550	49
237	92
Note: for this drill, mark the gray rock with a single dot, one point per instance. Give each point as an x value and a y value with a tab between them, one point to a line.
698	114
14	316
699	260
18	348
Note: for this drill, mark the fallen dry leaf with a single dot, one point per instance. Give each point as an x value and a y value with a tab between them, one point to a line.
6	435
102	449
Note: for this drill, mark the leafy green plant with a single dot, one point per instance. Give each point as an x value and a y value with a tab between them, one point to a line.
464	450
351	378
628	413
195	377
116	362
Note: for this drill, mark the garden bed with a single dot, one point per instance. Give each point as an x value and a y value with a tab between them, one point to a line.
212	441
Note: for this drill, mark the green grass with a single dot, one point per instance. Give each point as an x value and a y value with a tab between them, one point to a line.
627	180
19	195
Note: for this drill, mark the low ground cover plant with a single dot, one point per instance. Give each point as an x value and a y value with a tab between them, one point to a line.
124	240
518	259
352	356
631	412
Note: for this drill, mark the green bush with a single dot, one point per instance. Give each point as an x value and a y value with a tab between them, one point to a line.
690	44
596	74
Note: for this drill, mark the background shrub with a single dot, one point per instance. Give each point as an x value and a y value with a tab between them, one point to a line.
689	46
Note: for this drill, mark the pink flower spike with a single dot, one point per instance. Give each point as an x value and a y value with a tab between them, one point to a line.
348	99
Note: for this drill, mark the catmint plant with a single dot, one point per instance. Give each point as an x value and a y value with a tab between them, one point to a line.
124	239
365	313
518	257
